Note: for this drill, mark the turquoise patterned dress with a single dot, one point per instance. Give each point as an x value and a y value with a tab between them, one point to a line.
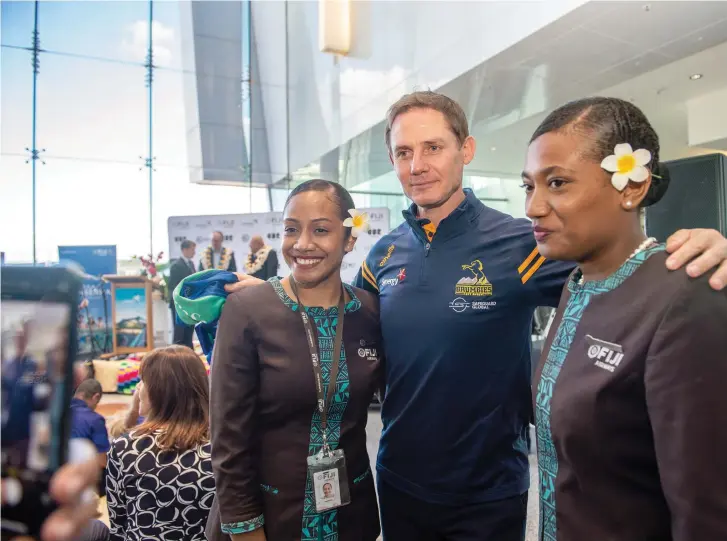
578	301
324	526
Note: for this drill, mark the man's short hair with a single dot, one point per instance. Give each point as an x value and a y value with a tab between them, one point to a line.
427	99
89	387
218	233
186	244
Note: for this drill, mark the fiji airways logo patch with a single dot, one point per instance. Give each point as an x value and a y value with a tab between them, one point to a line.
605	355
369	353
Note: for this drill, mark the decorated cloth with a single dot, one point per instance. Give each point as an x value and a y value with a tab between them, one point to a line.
198	301
225	260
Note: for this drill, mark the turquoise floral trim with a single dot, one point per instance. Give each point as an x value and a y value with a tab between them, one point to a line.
363	476
269	489
246	526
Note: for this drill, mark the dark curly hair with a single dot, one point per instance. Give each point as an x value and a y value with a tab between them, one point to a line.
608	122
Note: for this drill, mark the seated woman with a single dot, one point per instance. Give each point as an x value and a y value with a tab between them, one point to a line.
160	483
291	388
629	395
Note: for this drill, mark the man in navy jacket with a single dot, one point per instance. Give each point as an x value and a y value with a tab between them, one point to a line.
458	283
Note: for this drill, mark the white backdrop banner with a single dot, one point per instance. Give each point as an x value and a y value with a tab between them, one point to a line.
238	229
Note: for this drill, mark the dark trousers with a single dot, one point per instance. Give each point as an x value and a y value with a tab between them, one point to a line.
182	333
404	518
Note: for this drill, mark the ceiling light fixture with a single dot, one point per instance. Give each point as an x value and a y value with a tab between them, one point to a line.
695	77
493	149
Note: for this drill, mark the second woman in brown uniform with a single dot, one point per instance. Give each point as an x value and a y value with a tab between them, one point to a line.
290	378
629	395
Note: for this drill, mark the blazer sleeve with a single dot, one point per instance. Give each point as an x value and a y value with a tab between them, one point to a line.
233	264
272	264
176	275
234	420
685	375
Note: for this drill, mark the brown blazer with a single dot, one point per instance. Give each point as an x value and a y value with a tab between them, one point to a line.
641	439
263	406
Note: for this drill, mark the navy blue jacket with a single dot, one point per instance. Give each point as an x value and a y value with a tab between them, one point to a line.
87	424
456	317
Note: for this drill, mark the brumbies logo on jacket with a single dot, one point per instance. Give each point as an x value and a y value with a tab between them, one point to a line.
475	284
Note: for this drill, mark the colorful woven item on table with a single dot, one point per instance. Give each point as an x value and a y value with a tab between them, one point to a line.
128	377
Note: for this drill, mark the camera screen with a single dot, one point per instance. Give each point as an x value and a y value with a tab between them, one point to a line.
33	353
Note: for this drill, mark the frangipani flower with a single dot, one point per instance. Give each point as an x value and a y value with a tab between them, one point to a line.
627	164
358	222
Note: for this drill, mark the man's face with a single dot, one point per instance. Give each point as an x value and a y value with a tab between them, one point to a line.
255	245
427	157
217	241
189	252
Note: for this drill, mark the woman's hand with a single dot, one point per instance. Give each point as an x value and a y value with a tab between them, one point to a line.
710	247
244	281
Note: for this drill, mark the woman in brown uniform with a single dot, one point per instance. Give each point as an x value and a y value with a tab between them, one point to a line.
629	395
273	407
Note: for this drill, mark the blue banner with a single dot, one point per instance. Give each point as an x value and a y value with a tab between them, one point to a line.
94	317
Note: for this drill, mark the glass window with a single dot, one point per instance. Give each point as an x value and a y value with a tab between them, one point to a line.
93	110
16	210
110	30
16	23
16	101
82	201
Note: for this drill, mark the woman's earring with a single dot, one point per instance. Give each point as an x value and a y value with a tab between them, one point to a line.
628	203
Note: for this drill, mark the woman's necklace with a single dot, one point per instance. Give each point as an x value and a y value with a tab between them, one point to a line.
640	248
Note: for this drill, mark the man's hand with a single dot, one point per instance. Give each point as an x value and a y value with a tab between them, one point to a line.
711	247
244	281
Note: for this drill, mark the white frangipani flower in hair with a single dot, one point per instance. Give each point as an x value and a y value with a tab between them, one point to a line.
358	222
627	164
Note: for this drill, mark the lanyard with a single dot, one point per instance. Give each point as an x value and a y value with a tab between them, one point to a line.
323	400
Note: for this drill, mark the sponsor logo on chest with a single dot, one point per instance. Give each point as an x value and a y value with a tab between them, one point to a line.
366	351
605	355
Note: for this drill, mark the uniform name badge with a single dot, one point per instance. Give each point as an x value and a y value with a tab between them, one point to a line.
330	480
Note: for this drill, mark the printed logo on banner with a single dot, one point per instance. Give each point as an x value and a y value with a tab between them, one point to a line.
204	224
179	240
201	239
179	224
228	238
375	232
376	216
274	220
272	236
246	238
227	224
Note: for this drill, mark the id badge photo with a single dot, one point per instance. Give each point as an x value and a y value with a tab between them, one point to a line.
330	480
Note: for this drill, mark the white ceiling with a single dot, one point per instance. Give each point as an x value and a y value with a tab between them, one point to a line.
619	49
644	52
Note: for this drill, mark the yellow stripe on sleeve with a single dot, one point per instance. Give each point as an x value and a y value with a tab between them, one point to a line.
527	261
532	270
368	275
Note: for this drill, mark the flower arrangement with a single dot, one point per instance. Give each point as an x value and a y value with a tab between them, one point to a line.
152	270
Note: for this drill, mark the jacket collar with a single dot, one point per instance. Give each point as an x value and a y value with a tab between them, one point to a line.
457	222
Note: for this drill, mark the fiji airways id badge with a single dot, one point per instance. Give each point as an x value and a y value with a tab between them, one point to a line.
330	480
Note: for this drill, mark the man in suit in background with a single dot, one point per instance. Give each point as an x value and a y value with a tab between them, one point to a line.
180	269
262	261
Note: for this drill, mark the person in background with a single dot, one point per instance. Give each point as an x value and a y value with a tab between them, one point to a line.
262	261
159	483
217	256
180	269
89	425
629	397
267	417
